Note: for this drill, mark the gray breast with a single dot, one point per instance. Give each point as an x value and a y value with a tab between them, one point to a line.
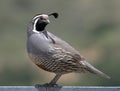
38	44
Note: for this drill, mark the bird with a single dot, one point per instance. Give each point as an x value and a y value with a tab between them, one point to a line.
53	54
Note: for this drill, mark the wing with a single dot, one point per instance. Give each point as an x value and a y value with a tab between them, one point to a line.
72	58
65	62
67	58
59	43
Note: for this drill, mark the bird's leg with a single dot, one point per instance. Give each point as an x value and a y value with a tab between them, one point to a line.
52	83
55	79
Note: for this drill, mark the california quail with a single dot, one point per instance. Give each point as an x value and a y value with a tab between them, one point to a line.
53	54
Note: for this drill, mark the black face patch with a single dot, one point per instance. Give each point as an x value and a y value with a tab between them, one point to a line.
40	25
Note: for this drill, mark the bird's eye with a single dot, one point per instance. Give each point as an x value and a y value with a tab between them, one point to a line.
42	18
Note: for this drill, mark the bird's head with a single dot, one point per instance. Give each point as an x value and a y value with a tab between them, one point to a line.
41	20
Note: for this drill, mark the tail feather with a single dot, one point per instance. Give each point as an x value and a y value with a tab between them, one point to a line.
93	70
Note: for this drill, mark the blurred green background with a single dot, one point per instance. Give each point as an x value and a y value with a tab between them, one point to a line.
91	26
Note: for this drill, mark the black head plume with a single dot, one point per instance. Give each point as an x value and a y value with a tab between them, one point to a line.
54	14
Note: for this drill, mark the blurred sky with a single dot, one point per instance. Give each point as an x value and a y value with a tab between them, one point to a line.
91	26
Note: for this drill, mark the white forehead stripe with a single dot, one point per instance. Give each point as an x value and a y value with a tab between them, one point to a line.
44	15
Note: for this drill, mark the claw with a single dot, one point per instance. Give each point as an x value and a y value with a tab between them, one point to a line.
46	85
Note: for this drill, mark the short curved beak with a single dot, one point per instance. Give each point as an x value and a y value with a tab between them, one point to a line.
47	21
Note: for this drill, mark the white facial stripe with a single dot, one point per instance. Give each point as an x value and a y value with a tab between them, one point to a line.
36	17
44	15
35	23
34	27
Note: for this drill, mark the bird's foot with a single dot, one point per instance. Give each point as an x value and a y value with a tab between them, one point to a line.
46	85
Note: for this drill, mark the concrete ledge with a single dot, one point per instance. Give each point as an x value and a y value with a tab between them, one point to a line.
64	88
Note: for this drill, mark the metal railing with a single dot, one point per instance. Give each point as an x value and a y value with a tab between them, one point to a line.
62	88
